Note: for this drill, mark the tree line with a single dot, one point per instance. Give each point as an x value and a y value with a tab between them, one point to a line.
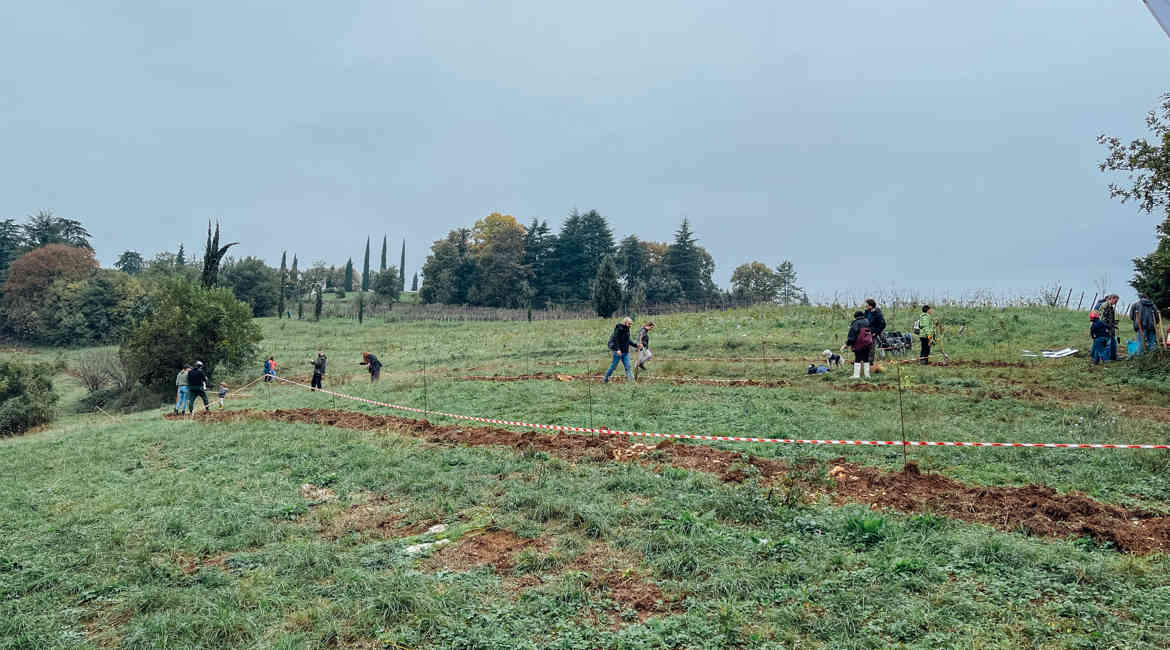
500	263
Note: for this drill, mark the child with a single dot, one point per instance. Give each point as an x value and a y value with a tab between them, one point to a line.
1099	332
222	394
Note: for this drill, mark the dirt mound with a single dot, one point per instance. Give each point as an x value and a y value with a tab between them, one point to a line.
1036	509
494	548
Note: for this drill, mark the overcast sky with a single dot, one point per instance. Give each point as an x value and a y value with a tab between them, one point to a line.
934	147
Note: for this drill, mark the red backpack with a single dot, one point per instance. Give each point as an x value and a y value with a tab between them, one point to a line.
863	341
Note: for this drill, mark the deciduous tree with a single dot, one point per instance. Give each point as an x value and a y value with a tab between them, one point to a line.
130	263
753	282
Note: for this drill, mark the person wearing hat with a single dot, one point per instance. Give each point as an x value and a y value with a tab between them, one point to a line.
1099	332
197	387
619	345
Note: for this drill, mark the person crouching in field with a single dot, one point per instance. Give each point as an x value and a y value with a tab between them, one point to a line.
1099	332
643	342
318	370
619	344
375	366
270	369
860	340
181	385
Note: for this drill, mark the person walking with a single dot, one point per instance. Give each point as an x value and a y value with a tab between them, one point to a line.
181	387
619	344
643	341
860	340
925	328
877	325
1099	333
375	366
1146	322
318	370
197	387
1108	316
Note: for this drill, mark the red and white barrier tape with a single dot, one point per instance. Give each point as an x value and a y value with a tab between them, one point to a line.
685	436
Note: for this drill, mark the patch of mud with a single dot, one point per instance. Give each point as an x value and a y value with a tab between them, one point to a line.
494	548
1033	509
1036	509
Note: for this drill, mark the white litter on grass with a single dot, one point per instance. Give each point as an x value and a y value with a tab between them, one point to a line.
415	549
1051	354
437	528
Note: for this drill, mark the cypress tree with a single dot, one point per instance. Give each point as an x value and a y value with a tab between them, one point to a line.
295	281
347	284
366	268
414	284
319	303
181	258
383	266
402	264
283	283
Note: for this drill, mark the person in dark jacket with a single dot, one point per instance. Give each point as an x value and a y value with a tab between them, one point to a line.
1108	315
643	341
855	340
375	366
1099	333
197	387
619	344
877	325
1146	320
318	370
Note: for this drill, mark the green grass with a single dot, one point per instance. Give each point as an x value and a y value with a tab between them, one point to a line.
134	531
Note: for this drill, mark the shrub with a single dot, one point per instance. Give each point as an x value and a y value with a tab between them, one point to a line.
27	397
189	323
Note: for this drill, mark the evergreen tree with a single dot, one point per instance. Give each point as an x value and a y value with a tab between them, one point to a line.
584	241
633	263
414	283
787	293
130	263
450	270
539	249
382	267
282	284
366	268
295	283
684	263
607	293
181	258
347	283
212	255
320	302
402	264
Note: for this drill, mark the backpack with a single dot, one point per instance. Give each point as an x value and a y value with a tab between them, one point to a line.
918	326
863	341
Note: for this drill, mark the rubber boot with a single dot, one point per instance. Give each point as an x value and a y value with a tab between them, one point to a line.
865	369
857	371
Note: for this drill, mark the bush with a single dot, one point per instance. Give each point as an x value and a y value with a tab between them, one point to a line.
190	323
27	397
102	368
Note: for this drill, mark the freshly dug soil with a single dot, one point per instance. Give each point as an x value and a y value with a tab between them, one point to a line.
1035	509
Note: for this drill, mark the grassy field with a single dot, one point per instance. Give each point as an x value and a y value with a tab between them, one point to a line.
140	531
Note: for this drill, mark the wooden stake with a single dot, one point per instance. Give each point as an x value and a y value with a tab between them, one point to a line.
902	415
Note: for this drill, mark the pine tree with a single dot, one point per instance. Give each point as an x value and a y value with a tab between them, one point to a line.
414	283
181	258
382	267
366	268
607	293
787	291
402	264
684	263
282	284
347	284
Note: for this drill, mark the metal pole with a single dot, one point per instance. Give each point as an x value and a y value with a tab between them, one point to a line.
901	415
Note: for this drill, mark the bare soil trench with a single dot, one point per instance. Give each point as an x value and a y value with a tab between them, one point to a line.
1034	395
1034	509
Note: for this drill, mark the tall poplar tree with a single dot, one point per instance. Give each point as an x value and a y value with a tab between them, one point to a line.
382	267
366	267
282	284
402	264
294	281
